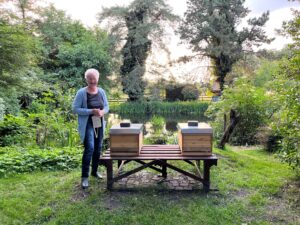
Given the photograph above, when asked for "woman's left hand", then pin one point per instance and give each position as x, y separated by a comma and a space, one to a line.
101, 113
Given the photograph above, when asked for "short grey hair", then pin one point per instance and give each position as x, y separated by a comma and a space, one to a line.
92, 71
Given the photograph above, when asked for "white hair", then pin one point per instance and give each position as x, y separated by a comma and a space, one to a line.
92, 71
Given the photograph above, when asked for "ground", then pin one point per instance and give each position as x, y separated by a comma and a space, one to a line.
252, 187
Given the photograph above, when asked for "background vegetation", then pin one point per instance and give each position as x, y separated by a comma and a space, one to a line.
43, 56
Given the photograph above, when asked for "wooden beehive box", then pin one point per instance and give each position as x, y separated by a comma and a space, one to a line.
195, 140
126, 141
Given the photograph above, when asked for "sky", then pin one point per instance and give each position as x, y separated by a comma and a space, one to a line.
86, 11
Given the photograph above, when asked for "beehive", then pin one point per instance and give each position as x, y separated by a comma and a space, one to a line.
126, 141
195, 140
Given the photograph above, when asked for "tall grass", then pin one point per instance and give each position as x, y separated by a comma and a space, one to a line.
160, 108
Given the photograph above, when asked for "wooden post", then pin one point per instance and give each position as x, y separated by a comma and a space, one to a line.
164, 169
206, 176
225, 122
109, 172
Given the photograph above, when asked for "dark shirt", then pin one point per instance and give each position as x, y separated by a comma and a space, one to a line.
94, 101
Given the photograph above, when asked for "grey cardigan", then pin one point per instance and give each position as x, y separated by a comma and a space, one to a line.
80, 107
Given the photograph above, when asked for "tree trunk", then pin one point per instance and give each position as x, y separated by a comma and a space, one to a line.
234, 119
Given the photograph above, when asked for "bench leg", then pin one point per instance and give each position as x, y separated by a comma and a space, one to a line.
164, 169
206, 177
109, 172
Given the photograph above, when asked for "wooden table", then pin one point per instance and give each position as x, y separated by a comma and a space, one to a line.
156, 157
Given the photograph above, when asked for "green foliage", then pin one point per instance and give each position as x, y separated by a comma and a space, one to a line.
20, 160
190, 93
286, 95
251, 105
161, 108
16, 51
14, 130
19, 54
157, 123
265, 74
69, 49
53, 121
210, 27
2, 109
75, 59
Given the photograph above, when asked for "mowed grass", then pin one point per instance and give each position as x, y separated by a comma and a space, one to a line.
253, 188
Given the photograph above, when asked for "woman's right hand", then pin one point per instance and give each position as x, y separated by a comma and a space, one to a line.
96, 112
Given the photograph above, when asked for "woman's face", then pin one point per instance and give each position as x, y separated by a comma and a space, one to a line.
91, 80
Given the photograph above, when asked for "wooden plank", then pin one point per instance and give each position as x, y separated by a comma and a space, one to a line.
197, 154
160, 147
197, 149
123, 154
198, 137
195, 144
168, 157
163, 152
130, 150
160, 152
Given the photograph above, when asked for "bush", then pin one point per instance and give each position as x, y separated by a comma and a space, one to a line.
251, 105
187, 92
190, 92
174, 92
270, 141
14, 130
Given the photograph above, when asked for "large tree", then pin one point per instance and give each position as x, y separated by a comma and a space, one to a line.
69, 49
18, 54
143, 20
211, 29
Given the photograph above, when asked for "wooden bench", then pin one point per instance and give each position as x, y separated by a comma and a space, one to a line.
156, 157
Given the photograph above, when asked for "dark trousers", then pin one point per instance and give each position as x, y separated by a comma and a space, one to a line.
92, 149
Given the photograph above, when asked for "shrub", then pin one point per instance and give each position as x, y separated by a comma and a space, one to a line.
190, 92
270, 141
251, 105
14, 130
174, 92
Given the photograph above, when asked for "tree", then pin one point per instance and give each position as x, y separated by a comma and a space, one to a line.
286, 121
210, 27
69, 49
143, 20
18, 53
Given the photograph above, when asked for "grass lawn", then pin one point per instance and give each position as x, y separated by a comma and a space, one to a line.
254, 188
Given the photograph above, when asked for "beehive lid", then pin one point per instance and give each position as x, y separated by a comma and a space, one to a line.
202, 128
135, 128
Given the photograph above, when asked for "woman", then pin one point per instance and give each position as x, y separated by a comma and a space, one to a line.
91, 104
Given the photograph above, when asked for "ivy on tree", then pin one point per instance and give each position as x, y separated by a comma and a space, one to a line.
143, 21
